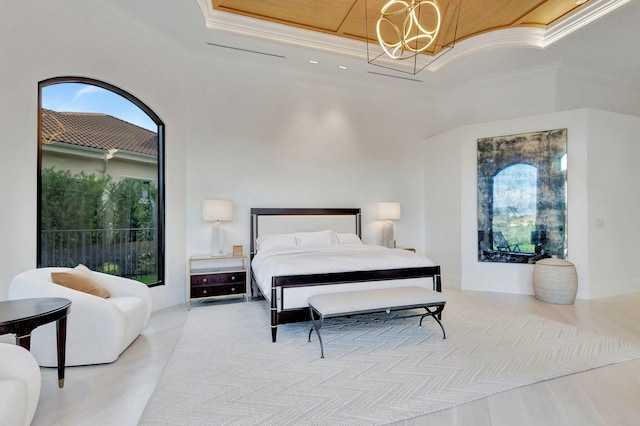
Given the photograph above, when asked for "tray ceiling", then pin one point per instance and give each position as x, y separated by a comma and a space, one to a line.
340, 26
346, 18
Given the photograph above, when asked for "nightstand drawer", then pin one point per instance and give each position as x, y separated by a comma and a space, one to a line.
216, 277
221, 278
217, 290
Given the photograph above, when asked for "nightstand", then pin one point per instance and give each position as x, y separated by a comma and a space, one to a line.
217, 277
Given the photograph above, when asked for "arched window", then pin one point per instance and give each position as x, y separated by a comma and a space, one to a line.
514, 208
100, 180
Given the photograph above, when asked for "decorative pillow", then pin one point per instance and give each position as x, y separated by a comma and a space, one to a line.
275, 241
348, 238
319, 238
82, 279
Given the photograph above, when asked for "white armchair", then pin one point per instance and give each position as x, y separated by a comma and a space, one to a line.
20, 382
98, 330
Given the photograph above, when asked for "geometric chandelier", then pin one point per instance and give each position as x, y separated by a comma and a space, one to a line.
411, 34
407, 36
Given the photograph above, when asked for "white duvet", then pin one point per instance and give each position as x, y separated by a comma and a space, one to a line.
325, 259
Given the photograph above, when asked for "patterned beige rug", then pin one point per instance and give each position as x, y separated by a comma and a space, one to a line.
225, 370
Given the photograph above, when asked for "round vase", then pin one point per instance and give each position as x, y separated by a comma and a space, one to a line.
555, 281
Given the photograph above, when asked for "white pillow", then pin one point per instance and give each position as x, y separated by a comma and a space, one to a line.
319, 238
348, 238
275, 241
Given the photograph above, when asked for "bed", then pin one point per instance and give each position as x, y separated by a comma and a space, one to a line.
298, 252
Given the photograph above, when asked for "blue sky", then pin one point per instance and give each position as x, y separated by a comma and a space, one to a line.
76, 97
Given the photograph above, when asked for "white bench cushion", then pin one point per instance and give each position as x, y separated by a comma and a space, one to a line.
332, 304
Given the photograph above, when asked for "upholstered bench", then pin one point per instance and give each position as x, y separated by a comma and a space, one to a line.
328, 305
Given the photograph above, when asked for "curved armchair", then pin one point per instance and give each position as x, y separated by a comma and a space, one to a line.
98, 330
19, 385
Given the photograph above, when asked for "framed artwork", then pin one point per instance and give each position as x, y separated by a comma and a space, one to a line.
522, 197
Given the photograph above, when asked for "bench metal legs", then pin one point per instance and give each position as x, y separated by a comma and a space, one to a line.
436, 316
317, 324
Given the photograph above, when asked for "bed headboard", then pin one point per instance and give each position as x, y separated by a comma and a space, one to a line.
266, 221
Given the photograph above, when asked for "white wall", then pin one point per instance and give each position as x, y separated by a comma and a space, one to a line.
601, 157
443, 205
302, 143
614, 203
578, 88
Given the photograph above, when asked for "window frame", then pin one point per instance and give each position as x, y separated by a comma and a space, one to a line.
161, 163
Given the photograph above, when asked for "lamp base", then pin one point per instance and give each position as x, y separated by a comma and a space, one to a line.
218, 237
388, 234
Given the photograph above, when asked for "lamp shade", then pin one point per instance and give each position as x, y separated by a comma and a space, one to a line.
388, 211
215, 210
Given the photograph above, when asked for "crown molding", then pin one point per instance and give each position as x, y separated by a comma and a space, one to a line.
585, 15
499, 39
521, 37
270, 31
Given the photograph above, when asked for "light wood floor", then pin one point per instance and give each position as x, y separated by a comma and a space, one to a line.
115, 394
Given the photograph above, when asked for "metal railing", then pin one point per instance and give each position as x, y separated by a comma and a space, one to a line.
127, 252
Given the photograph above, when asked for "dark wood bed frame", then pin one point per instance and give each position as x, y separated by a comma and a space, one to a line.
291, 281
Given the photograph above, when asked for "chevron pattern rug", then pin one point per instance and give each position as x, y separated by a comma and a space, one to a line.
225, 370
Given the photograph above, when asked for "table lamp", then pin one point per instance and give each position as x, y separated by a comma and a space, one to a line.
217, 211
388, 212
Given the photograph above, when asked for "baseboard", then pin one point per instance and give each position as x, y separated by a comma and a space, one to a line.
611, 289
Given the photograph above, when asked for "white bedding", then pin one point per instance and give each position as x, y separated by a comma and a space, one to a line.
332, 258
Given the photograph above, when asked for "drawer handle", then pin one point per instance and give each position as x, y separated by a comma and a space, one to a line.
233, 289
204, 280
233, 278
204, 291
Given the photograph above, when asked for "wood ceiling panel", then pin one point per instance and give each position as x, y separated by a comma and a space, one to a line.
479, 16
450, 26
549, 12
347, 18
354, 25
325, 15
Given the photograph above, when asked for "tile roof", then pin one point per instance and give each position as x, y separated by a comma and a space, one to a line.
97, 130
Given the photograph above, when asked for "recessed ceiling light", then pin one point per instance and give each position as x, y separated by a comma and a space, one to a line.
311, 61
343, 67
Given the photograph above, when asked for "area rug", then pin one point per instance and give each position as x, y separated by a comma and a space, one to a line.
226, 370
